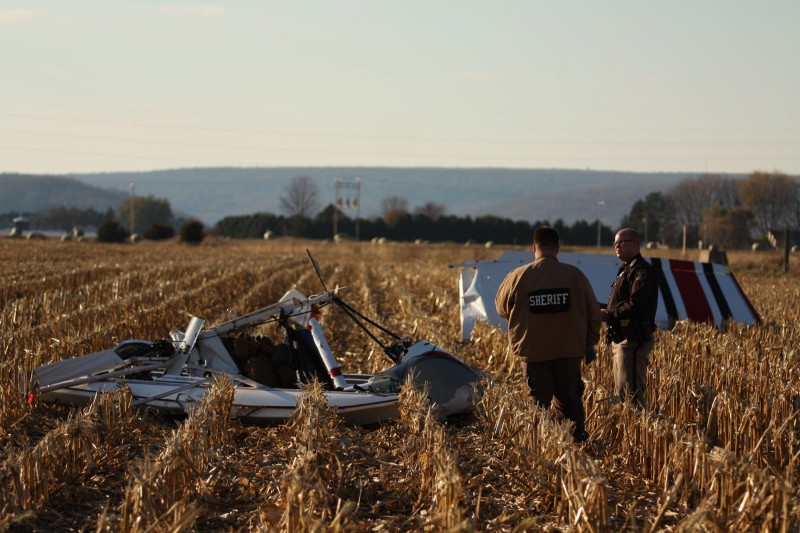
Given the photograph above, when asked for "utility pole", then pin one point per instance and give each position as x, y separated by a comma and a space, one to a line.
600, 204
786, 250
133, 205
347, 203
337, 183
683, 253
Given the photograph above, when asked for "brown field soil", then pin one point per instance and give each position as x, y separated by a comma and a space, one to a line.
717, 450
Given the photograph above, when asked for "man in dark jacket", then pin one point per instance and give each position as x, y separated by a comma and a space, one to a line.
630, 317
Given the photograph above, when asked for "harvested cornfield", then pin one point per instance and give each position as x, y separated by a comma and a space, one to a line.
717, 450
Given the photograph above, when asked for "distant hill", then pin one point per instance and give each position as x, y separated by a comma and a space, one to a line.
579, 203
31, 193
520, 194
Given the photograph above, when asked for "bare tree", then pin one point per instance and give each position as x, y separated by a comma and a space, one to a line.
302, 199
726, 193
432, 210
796, 205
729, 228
393, 205
770, 196
693, 195
394, 209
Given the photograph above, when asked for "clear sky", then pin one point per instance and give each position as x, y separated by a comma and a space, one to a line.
679, 85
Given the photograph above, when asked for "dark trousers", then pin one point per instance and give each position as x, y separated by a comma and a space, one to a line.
559, 382
630, 370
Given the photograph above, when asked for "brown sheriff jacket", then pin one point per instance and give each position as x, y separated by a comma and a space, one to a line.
551, 309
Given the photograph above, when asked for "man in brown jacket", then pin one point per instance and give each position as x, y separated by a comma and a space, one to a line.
553, 320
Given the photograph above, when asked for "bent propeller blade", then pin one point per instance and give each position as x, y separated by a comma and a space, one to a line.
316, 267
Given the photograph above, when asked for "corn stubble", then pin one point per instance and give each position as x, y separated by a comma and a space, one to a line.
717, 449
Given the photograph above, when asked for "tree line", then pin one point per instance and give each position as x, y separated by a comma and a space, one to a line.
718, 210
145, 217
708, 209
406, 227
428, 222
701, 210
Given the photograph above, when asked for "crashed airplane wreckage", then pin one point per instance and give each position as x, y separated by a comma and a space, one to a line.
173, 375
687, 290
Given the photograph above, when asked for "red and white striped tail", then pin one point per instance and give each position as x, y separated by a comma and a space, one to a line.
688, 290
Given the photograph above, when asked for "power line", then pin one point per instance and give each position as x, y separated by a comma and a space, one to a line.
570, 142
415, 155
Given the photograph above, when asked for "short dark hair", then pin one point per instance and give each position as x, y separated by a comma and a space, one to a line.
545, 236
630, 231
